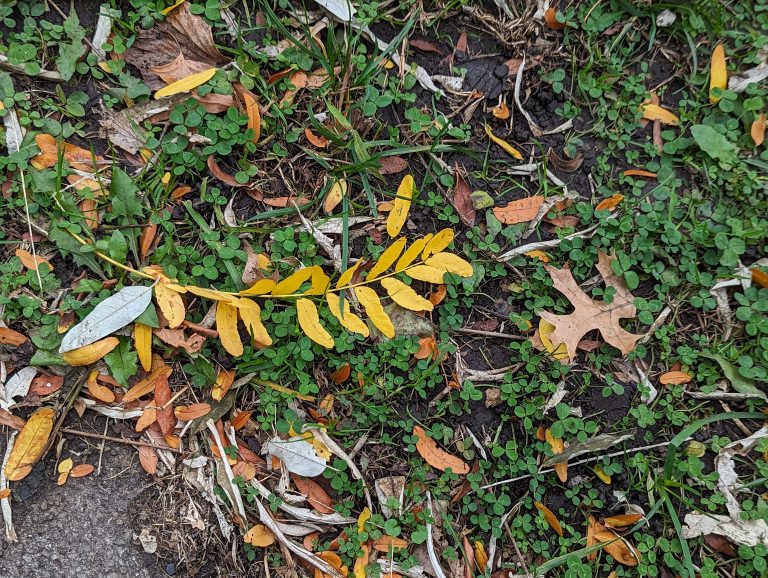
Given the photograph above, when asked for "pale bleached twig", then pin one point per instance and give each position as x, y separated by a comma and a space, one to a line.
10, 531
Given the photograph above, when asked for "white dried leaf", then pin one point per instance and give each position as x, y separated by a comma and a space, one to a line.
297, 455
665, 18
341, 9
110, 315
741, 532
728, 479
16, 386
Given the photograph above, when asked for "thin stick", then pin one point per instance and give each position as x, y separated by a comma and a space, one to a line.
490, 334
98, 436
101, 447
10, 531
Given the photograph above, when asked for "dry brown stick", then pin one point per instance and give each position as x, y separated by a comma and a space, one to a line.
491, 334
98, 436
73, 393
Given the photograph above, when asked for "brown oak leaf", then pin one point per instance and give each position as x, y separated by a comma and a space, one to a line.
591, 314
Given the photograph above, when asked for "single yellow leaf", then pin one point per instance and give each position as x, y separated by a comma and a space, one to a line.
254, 115
437, 243
166, 11
374, 310
90, 353
335, 194
550, 518
361, 563
718, 72
203, 292
537, 254
261, 287
481, 556
450, 263
320, 282
347, 275
387, 258
557, 351
348, 320
558, 447
30, 444
503, 144
404, 296
425, 273
292, 283
364, 516
411, 253
65, 466
226, 325
250, 313
402, 204
654, 112
142, 339
259, 536
186, 84
757, 130
309, 321
170, 303
605, 478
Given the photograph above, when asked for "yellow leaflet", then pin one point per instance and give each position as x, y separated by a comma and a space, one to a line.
175, 5
387, 258
503, 144
250, 313
292, 283
559, 351
411, 253
481, 557
348, 320
90, 353
254, 115
654, 112
718, 72
309, 321
347, 275
605, 478
451, 263
375, 312
226, 325
186, 84
286, 390
320, 282
361, 563
437, 243
142, 338
104, 66
364, 516
337, 192
402, 205
207, 293
425, 273
170, 303
30, 444
261, 287
404, 296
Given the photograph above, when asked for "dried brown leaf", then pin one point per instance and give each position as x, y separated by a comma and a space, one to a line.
520, 211
435, 456
462, 199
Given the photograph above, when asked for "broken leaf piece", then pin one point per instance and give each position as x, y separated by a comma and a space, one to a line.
259, 536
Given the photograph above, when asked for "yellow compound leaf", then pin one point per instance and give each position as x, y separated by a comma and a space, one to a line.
348, 320
90, 353
503, 144
550, 518
261, 287
654, 112
406, 297
718, 73
142, 339
309, 321
347, 275
402, 205
374, 310
186, 84
335, 194
450, 263
30, 444
250, 313
170, 303
226, 325
426, 273
259, 536
387, 258
411, 253
437, 243
292, 283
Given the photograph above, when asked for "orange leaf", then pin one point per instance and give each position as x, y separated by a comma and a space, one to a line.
252, 110
10, 337
550, 17
318, 140
550, 518
501, 111
224, 381
757, 131
622, 520
190, 412
436, 457
147, 385
621, 550
179, 192
674, 378
520, 211
438, 294
239, 421
31, 261
148, 459
146, 419
317, 497
5, 492
46, 385
388, 544
591, 523
81, 470
481, 556
427, 348
165, 418
639, 173
147, 238
558, 447
98, 391
341, 374
610, 203
760, 277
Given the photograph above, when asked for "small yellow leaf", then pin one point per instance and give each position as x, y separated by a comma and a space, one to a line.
537, 254
226, 325
259, 536
404, 296
654, 112
437, 243
387, 258
374, 310
348, 320
558, 447
170, 303
104, 65
718, 72
364, 516
557, 351
411, 253
481, 556
550, 518
361, 563
320, 282
261, 287
65, 466
254, 115
30, 444
347, 275
90, 353
142, 339
309, 321
170, 8
503, 144
757, 130
186, 84
450, 263
402, 204
426, 273
203, 292
291, 284
605, 478
335, 194
250, 313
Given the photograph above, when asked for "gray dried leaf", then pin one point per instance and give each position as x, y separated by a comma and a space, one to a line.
298, 456
16, 386
596, 444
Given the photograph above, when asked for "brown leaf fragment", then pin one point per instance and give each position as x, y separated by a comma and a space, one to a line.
621, 550
44, 385
564, 165
165, 417
591, 314
148, 459
217, 172
14, 421
242, 418
392, 165
720, 544
177, 338
10, 337
461, 43
435, 456
147, 385
224, 381
146, 419
316, 496
462, 199
674, 378
622, 520
387, 544
757, 130
550, 17
425, 46
520, 211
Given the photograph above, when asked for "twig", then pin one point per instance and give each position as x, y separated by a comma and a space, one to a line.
490, 334
45, 74
86, 434
60, 422
101, 447
521, 250
430, 545
10, 531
